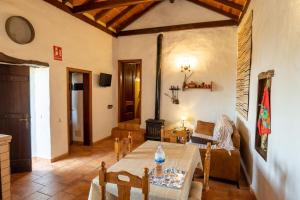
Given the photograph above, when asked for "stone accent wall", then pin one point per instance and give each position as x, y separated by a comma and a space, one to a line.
5, 166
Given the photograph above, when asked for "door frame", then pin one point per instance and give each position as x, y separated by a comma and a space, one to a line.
120, 63
87, 106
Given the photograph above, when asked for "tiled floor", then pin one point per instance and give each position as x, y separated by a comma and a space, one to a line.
70, 178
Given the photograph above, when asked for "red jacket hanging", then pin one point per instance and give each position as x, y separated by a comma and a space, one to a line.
264, 119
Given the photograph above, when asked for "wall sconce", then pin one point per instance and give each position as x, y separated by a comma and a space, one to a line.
186, 68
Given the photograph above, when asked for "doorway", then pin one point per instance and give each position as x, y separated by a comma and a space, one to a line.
79, 95
130, 87
25, 113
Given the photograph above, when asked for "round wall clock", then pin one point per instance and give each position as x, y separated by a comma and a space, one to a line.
19, 29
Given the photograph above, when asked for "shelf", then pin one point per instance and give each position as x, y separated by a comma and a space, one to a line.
210, 87
197, 88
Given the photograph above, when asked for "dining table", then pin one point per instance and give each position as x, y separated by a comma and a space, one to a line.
185, 157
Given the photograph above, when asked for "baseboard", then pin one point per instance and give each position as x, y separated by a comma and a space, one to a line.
77, 142
248, 179
98, 141
57, 158
245, 172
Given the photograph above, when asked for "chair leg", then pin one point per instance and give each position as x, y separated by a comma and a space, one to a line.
238, 184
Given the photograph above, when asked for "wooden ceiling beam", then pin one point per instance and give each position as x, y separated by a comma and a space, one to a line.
108, 4
244, 11
136, 16
119, 16
100, 14
211, 24
68, 10
212, 8
67, 1
231, 4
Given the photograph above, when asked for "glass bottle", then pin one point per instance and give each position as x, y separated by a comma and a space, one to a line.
159, 159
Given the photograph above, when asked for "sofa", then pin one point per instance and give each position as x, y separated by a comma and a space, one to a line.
224, 165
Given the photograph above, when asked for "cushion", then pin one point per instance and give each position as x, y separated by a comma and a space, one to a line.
228, 119
223, 132
204, 128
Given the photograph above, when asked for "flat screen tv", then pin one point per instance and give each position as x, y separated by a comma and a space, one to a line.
105, 80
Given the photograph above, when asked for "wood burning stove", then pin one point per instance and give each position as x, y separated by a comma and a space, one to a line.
153, 126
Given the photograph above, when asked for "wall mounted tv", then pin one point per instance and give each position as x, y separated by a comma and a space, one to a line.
105, 80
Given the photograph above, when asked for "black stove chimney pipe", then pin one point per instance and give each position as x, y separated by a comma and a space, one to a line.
153, 126
158, 77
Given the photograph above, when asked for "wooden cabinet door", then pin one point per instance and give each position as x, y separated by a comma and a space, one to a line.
15, 114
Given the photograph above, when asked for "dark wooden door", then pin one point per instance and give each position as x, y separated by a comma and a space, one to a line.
15, 114
127, 78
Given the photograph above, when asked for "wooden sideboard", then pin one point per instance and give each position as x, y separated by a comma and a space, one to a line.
176, 135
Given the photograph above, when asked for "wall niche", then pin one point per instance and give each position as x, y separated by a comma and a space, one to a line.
263, 117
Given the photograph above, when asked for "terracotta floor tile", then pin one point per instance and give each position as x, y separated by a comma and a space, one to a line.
52, 189
47, 179
91, 175
78, 188
37, 196
24, 178
23, 190
63, 196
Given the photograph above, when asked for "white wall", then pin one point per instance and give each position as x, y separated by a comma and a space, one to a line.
276, 45
213, 49
83, 46
40, 113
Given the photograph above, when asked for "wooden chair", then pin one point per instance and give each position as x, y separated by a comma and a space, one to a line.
173, 135
123, 147
198, 187
124, 187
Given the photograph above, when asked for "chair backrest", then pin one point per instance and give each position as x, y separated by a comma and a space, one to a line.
206, 128
124, 187
123, 147
172, 135
207, 167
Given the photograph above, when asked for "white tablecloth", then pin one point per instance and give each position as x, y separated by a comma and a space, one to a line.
181, 156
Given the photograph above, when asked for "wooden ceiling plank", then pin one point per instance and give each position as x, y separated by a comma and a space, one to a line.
231, 4
101, 14
68, 10
108, 4
67, 1
211, 24
244, 11
135, 16
212, 8
119, 16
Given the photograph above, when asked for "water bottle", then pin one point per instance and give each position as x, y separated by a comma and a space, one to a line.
159, 158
